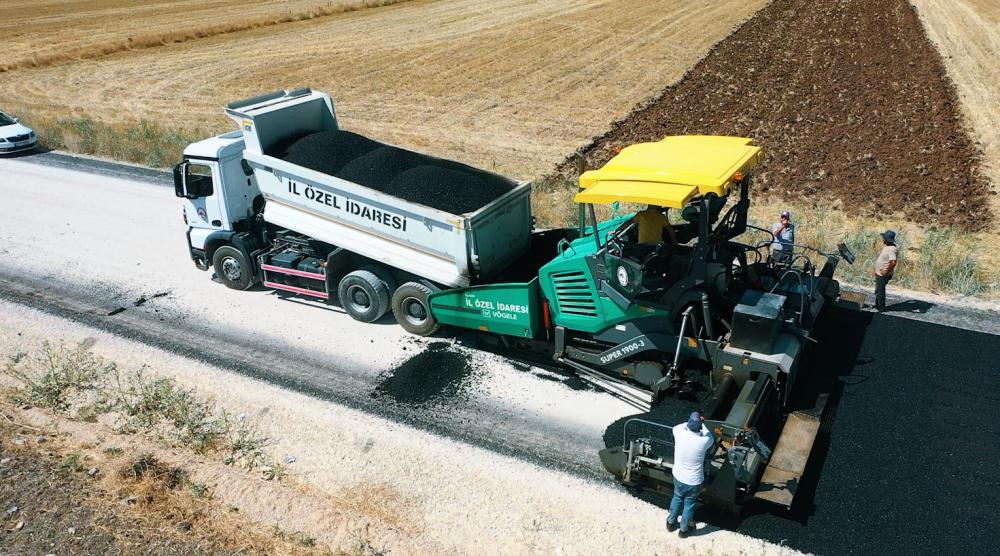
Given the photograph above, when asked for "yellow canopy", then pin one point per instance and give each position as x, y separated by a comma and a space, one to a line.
670, 172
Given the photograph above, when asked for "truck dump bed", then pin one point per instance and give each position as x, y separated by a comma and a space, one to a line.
438, 219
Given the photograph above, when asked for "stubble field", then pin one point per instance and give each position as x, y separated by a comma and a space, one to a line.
44, 32
511, 85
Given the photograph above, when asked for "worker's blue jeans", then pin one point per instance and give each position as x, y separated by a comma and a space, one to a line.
686, 495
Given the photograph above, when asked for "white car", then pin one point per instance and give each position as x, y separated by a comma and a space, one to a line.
15, 137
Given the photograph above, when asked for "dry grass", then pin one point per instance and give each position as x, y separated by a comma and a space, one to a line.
142, 142
931, 259
507, 84
379, 501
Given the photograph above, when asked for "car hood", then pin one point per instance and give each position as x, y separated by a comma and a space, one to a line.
12, 130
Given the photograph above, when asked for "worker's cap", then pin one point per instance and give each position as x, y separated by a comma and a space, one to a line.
889, 236
786, 214
694, 422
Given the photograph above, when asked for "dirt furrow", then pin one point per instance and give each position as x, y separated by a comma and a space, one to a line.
850, 102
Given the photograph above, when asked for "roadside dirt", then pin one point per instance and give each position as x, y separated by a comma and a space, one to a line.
55, 501
849, 100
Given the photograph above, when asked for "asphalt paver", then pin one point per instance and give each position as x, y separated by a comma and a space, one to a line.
904, 463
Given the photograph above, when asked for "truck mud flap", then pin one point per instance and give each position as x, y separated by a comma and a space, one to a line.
788, 462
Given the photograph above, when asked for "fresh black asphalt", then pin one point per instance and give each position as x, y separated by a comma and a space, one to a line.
906, 461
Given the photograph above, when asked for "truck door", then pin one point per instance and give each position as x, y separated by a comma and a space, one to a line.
199, 183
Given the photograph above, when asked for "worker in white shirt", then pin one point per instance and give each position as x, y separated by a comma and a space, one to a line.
692, 440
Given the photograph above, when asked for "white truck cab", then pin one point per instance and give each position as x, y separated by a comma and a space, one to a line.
219, 191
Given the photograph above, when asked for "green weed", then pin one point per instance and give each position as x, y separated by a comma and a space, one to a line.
55, 374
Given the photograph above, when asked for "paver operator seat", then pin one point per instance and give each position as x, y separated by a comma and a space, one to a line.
693, 174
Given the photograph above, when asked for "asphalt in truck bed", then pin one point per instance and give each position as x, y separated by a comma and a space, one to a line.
433, 182
905, 462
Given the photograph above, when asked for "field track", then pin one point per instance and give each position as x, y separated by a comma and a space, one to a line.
850, 101
507, 84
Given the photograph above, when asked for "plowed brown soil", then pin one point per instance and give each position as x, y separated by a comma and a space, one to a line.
849, 100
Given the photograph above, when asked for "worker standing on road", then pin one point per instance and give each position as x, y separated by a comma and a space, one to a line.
885, 265
652, 223
784, 238
692, 440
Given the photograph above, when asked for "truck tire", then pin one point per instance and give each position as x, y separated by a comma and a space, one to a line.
412, 310
363, 295
383, 274
232, 268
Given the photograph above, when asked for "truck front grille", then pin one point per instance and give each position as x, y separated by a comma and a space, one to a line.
573, 294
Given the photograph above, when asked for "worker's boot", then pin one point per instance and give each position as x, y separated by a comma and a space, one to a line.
671, 527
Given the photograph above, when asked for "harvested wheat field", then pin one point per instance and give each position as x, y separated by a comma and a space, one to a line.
511, 85
42, 33
850, 102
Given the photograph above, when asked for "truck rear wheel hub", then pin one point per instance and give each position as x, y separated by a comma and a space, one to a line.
415, 310
359, 298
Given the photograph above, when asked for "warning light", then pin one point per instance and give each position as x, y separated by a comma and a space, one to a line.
692, 342
617, 149
484, 328
625, 371
738, 176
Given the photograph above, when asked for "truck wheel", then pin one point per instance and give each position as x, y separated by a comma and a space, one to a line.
363, 295
383, 274
412, 310
232, 268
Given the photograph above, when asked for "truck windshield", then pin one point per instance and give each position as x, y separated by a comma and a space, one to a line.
6, 120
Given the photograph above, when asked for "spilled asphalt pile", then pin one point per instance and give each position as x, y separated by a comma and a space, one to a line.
433, 182
438, 375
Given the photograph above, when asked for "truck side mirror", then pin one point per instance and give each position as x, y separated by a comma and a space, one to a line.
179, 189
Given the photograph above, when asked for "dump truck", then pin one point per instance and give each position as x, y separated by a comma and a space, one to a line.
635, 320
